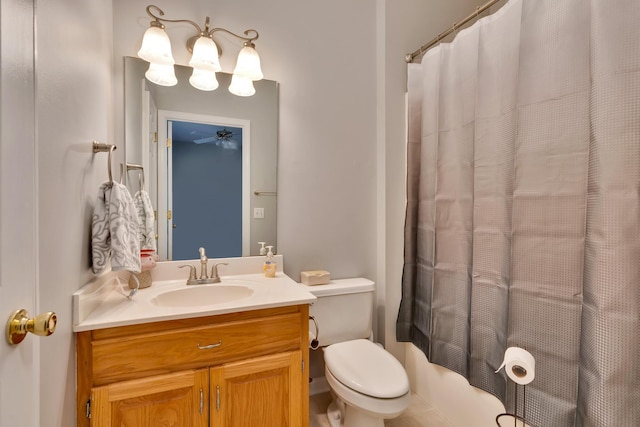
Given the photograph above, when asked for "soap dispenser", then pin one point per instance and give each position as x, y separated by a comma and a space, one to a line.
263, 251
269, 266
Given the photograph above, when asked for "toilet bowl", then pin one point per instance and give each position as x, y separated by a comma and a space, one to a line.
368, 383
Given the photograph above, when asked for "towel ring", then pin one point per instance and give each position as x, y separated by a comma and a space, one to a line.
100, 147
124, 173
141, 180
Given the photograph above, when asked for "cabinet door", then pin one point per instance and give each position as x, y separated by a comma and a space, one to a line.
260, 392
173, 400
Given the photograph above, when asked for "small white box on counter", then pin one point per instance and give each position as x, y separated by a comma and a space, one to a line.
315, 277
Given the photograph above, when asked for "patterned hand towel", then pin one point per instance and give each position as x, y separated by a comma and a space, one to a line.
146, 220
114, 228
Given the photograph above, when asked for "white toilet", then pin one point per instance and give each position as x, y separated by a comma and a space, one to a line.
368, 384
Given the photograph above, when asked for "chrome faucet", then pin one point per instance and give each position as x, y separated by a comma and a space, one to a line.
204, 277
192, 280
214, 272
203, 264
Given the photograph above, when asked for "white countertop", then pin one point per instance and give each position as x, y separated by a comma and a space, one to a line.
103, 305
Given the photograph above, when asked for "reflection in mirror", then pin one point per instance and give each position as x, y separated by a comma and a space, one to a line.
211, 152
217, 201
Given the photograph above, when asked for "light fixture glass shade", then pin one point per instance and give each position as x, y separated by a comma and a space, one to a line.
203, 79
161, 74
205, 55
241, 86
156, 47
248, 64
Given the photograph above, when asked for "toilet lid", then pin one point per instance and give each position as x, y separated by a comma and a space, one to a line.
367, 368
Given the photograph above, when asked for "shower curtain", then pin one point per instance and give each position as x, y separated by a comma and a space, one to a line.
523, 207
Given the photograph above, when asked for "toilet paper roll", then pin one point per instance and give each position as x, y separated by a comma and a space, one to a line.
313, 342
519, 365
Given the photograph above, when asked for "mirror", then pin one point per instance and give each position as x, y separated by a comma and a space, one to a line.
233, 137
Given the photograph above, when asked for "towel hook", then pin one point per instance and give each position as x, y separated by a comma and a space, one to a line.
100, 147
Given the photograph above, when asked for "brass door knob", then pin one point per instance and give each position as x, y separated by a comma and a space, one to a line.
19, 324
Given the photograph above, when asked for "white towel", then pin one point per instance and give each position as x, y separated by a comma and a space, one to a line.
146, 220
114, 229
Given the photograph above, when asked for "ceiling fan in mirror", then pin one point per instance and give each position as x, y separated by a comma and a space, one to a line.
224, 138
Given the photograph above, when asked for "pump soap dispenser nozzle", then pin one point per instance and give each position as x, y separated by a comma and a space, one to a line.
263, 251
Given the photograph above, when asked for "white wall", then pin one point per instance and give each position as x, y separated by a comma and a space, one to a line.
341, 150
407, 25
323, 55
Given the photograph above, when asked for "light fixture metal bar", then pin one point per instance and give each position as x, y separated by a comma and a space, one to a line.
248, 39
161, 12
251, 34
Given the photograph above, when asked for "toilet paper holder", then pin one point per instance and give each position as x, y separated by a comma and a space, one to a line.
520, 367
515, 416
314, 343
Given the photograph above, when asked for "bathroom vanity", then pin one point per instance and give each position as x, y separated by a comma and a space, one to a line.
149, 362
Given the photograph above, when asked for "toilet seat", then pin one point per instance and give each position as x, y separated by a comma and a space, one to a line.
366, 368
378, 408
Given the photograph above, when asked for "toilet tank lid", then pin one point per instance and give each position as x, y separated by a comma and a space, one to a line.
341, 287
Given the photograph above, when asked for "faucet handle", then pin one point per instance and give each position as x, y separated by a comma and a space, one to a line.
214, 271
192, 273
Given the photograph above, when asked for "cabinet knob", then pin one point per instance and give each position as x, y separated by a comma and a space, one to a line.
19, 324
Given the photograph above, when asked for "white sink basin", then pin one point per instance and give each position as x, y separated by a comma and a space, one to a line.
203, 295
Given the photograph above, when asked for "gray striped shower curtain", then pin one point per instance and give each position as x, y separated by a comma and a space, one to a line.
523, 207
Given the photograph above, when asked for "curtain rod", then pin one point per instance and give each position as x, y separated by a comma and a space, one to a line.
411, 56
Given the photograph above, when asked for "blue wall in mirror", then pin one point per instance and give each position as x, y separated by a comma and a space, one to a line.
209, 155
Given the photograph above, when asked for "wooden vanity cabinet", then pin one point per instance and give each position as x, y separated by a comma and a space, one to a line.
234, 370
163, 400
260, 392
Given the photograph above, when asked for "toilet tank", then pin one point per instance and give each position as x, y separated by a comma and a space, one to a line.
343, 310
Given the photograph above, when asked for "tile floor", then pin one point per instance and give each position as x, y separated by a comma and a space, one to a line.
418, 414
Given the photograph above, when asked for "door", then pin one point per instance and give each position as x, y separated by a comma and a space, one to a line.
19, 370
203, 186
260, 392
174, 400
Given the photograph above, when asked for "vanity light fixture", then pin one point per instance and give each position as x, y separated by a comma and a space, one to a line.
156, 49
